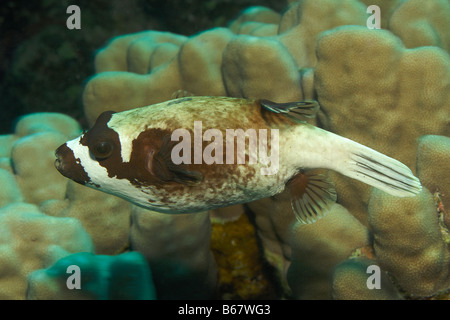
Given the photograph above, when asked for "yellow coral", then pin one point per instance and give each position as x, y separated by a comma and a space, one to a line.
241, 271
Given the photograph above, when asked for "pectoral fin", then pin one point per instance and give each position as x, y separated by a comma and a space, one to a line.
300, 110
161, 165
312, 193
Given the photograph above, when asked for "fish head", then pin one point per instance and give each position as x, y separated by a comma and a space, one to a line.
95, 159
137, 167
83, 158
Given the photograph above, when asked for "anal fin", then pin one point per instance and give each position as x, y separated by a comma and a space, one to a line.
312, 193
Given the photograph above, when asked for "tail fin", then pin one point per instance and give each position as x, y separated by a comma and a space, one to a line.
344, 155
380, 171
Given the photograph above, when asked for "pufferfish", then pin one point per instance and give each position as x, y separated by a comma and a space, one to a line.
198, 153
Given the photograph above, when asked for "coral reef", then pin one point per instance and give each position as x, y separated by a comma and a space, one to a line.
317, 248
350, 282
409, 237
393, 82
121, 277
421, 24
30, 31
388, 89
420, 267
177, 248
220, 61
243, 273
434, 152
28, 161
47, 217
376, 91
31, 240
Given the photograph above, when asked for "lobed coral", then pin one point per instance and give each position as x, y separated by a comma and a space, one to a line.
31, 240
28, 157
350, 282
410, 239
177, 248
434, 152
46, 217
392, 98
125, 277
217, 61
388, 89
377, 90
421, 268
317, 248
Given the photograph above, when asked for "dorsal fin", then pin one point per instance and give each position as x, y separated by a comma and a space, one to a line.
162, 166
312, 193
300, 110
181, 94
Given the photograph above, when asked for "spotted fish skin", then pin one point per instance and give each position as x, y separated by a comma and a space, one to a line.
137, 133
128, 154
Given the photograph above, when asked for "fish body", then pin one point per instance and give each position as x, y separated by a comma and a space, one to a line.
197, 153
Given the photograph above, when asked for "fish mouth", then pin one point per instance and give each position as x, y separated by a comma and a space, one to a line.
68, 166
59, 163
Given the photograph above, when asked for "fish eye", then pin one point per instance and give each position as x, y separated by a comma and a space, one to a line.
102, 150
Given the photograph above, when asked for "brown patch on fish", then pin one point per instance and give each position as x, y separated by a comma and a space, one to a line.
70, 167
